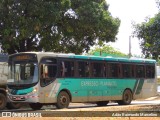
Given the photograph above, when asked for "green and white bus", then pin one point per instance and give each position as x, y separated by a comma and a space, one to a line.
45, 78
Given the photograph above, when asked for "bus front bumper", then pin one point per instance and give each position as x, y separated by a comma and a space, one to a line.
31, 98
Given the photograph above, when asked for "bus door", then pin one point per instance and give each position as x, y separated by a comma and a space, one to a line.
48, 71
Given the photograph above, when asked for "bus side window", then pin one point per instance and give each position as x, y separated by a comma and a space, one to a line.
44, 71
140, 71
150, 71
113, 70
62, 69
83, 69
105, 67
98, 69
87, 69
126, 70
80, 69
133, 72
68, 69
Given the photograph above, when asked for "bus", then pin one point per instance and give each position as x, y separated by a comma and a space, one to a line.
46, 78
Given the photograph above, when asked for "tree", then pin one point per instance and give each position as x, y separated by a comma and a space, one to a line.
148, 33
55, 25
105, 50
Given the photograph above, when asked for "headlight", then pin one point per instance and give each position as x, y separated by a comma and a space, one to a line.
35, 90
7, 91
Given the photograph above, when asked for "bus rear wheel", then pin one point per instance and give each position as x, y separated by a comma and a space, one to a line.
63, 100
36, 106
127, 98
102, 103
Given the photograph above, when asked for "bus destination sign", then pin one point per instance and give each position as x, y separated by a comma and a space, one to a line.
23, 57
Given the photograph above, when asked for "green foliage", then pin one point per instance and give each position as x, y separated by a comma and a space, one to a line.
55, 25
105, 50
149, 34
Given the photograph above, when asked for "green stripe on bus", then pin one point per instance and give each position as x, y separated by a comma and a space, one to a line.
139, 88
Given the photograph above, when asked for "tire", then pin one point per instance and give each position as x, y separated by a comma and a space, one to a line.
13, 105
3, 101
36, 106
127, 98
102, 103
63, 100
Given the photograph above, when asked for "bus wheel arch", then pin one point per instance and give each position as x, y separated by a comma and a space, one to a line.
63, 99
127, 97
68, 92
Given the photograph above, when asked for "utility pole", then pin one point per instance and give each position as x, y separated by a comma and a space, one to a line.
130, 54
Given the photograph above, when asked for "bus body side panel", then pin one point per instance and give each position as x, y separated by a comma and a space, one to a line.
115, 90
148, 89
90, 90
50, 92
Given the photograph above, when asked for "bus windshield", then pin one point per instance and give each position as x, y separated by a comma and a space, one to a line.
23, 72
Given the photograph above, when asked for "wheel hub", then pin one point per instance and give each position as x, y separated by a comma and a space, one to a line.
63, 100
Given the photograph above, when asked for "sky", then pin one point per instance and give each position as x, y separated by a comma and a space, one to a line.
129, 11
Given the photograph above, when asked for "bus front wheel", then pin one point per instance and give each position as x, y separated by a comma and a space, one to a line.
63, 100
3, 101
126, 99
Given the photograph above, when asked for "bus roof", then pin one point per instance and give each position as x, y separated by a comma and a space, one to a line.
121, 59
92, 57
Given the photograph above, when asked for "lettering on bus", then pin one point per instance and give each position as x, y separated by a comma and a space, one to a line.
108, 83
89, 83
97, 83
